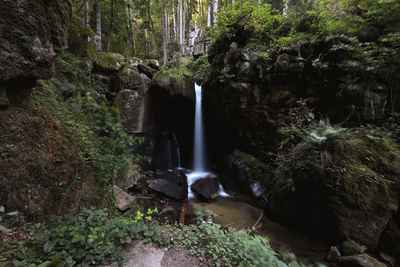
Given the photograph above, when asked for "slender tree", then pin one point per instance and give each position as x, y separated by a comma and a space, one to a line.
165, 31
181, 28
209, 10
174, 20
129, 28
111, 25
215, 11
86, 22
97, 37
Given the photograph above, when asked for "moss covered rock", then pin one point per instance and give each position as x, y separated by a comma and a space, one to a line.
113, 61
346, 185
31, 34
244, 174
174, 83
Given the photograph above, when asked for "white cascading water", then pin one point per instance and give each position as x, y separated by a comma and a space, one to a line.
198, 151
198, 156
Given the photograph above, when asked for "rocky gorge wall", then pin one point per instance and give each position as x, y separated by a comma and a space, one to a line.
267, 101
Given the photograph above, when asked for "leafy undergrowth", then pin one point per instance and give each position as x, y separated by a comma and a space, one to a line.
218, 246
89, 238
96, 237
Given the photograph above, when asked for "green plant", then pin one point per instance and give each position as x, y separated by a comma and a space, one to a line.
95, 127
225, 247
91, 237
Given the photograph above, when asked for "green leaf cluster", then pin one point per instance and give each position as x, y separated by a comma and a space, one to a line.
226, 247
89, 238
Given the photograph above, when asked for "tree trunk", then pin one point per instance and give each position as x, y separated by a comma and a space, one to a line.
215, 12
97, 37
111, 26
86, 22
181, 29
209, 13
174, 20
129, 28
149, 15
164, 32
285, 7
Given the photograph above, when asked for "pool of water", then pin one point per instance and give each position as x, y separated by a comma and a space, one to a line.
233, 212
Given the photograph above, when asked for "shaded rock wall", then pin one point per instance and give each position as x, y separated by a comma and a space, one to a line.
252, 88
31, 35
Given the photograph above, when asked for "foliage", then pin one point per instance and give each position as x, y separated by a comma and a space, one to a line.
263, 21
91, 237
94, 127
225, 247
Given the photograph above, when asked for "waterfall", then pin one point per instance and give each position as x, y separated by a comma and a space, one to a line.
199, 169
198, 152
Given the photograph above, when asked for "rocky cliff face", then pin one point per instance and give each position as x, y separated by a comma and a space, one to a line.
34, 158
31, 35
255, 93
254, 88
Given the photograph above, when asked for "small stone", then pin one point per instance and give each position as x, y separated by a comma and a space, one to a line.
2, 209
124, 200
333, 254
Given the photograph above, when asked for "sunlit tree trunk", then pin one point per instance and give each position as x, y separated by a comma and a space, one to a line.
129, 28
285, 7
174, 20
97, 37
215, 12
209, 13
181, 29
164, 34
111, 26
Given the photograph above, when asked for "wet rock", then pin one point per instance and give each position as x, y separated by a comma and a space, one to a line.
31, 34
206, 188
388, 259
389, 241
333, 254
361, 260
124, 200
350, 247
244, 174
167, 188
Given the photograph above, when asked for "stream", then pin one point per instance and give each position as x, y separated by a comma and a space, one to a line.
238, 214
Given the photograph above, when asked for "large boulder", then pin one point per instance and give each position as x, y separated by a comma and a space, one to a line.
174, 85
389, 242
31, 35
245, 175
206, 188
344, 185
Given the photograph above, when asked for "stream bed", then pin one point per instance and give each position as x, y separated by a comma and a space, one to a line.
236, 213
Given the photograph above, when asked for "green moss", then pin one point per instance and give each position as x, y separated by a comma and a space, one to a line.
131, 81
110, 60
260, 171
